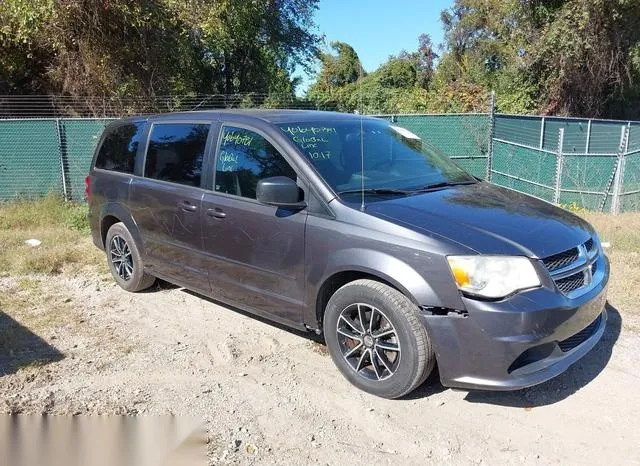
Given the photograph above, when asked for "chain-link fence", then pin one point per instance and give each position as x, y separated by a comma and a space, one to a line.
594, 164
40, 156
568, 161
590, 164
463, 137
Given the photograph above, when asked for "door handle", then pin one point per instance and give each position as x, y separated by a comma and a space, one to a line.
188, 207
217, 213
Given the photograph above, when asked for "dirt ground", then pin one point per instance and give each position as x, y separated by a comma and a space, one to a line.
74, 343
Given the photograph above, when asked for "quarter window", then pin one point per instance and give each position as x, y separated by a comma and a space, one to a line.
176, 151
244, 158
119, 148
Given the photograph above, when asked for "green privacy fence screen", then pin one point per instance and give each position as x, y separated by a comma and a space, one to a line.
586, 163
593, 164
29, 158
49, 155
464, 138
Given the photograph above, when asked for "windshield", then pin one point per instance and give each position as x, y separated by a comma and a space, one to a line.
372, 154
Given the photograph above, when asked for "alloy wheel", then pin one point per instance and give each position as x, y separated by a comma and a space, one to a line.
121, 257
368, 341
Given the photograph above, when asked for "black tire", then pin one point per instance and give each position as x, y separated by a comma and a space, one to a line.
124, 260
395, 372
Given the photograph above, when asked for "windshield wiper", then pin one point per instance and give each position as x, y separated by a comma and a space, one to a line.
444, 184
376, 191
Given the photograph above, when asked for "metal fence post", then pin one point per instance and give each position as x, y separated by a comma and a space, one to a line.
61, 154
559, 163
542, 124
492, 125
620, 163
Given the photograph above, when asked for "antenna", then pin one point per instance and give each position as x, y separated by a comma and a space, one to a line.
361, 139
361, 163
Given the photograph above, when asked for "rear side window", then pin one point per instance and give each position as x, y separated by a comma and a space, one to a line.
176, 151
119, 148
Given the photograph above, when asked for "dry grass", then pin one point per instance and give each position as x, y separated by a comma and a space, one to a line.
32, 303
62, 228
67, 248
623, 234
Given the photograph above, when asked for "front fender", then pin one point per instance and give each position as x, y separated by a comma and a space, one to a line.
417, 275
387, 267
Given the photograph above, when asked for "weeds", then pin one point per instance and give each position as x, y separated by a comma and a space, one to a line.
66, 246
62, 228
621, 231
43, 213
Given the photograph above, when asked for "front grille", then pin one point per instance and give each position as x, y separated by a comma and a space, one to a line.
574, 268
580, 337
563, 259
570, 283
589, 245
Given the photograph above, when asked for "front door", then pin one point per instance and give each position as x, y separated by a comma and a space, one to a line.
255, 252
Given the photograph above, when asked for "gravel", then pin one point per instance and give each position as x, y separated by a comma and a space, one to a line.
271, 396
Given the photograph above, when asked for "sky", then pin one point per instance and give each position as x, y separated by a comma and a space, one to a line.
378, 28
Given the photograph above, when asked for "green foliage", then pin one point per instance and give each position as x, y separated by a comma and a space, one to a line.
119, 47
49, 211
562, 57
76, 218
565, 57
396, 86
397, 73
584, 62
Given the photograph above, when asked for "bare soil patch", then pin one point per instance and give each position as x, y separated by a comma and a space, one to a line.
71, 342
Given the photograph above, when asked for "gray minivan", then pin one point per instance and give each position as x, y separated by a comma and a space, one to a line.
356, 229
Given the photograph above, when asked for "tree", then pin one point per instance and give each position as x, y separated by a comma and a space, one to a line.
566, 57
396, 86
425, 60
119, 47
397, 73
336, 73
586, 60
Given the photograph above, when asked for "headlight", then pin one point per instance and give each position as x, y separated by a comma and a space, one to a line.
493, 276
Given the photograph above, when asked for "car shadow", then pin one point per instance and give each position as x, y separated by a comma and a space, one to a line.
20, 347
160, 285
557, 389
430, 387
309, 335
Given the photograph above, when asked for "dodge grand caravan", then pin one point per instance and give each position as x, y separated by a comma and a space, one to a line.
356, 229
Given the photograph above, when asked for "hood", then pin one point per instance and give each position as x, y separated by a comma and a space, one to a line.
488, 219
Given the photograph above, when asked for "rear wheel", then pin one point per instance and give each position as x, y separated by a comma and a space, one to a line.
124, 260
375, 337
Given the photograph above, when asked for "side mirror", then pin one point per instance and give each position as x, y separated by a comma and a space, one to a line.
279, 191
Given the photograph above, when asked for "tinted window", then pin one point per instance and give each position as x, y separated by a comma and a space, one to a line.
176, 151
119, 148
244, 158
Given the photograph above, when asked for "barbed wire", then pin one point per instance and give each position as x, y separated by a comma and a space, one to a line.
44, 137
56, 106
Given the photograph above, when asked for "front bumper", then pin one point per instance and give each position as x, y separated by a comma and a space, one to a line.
518, 342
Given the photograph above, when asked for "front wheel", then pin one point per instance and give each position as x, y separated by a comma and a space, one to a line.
374, 335
124, 259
